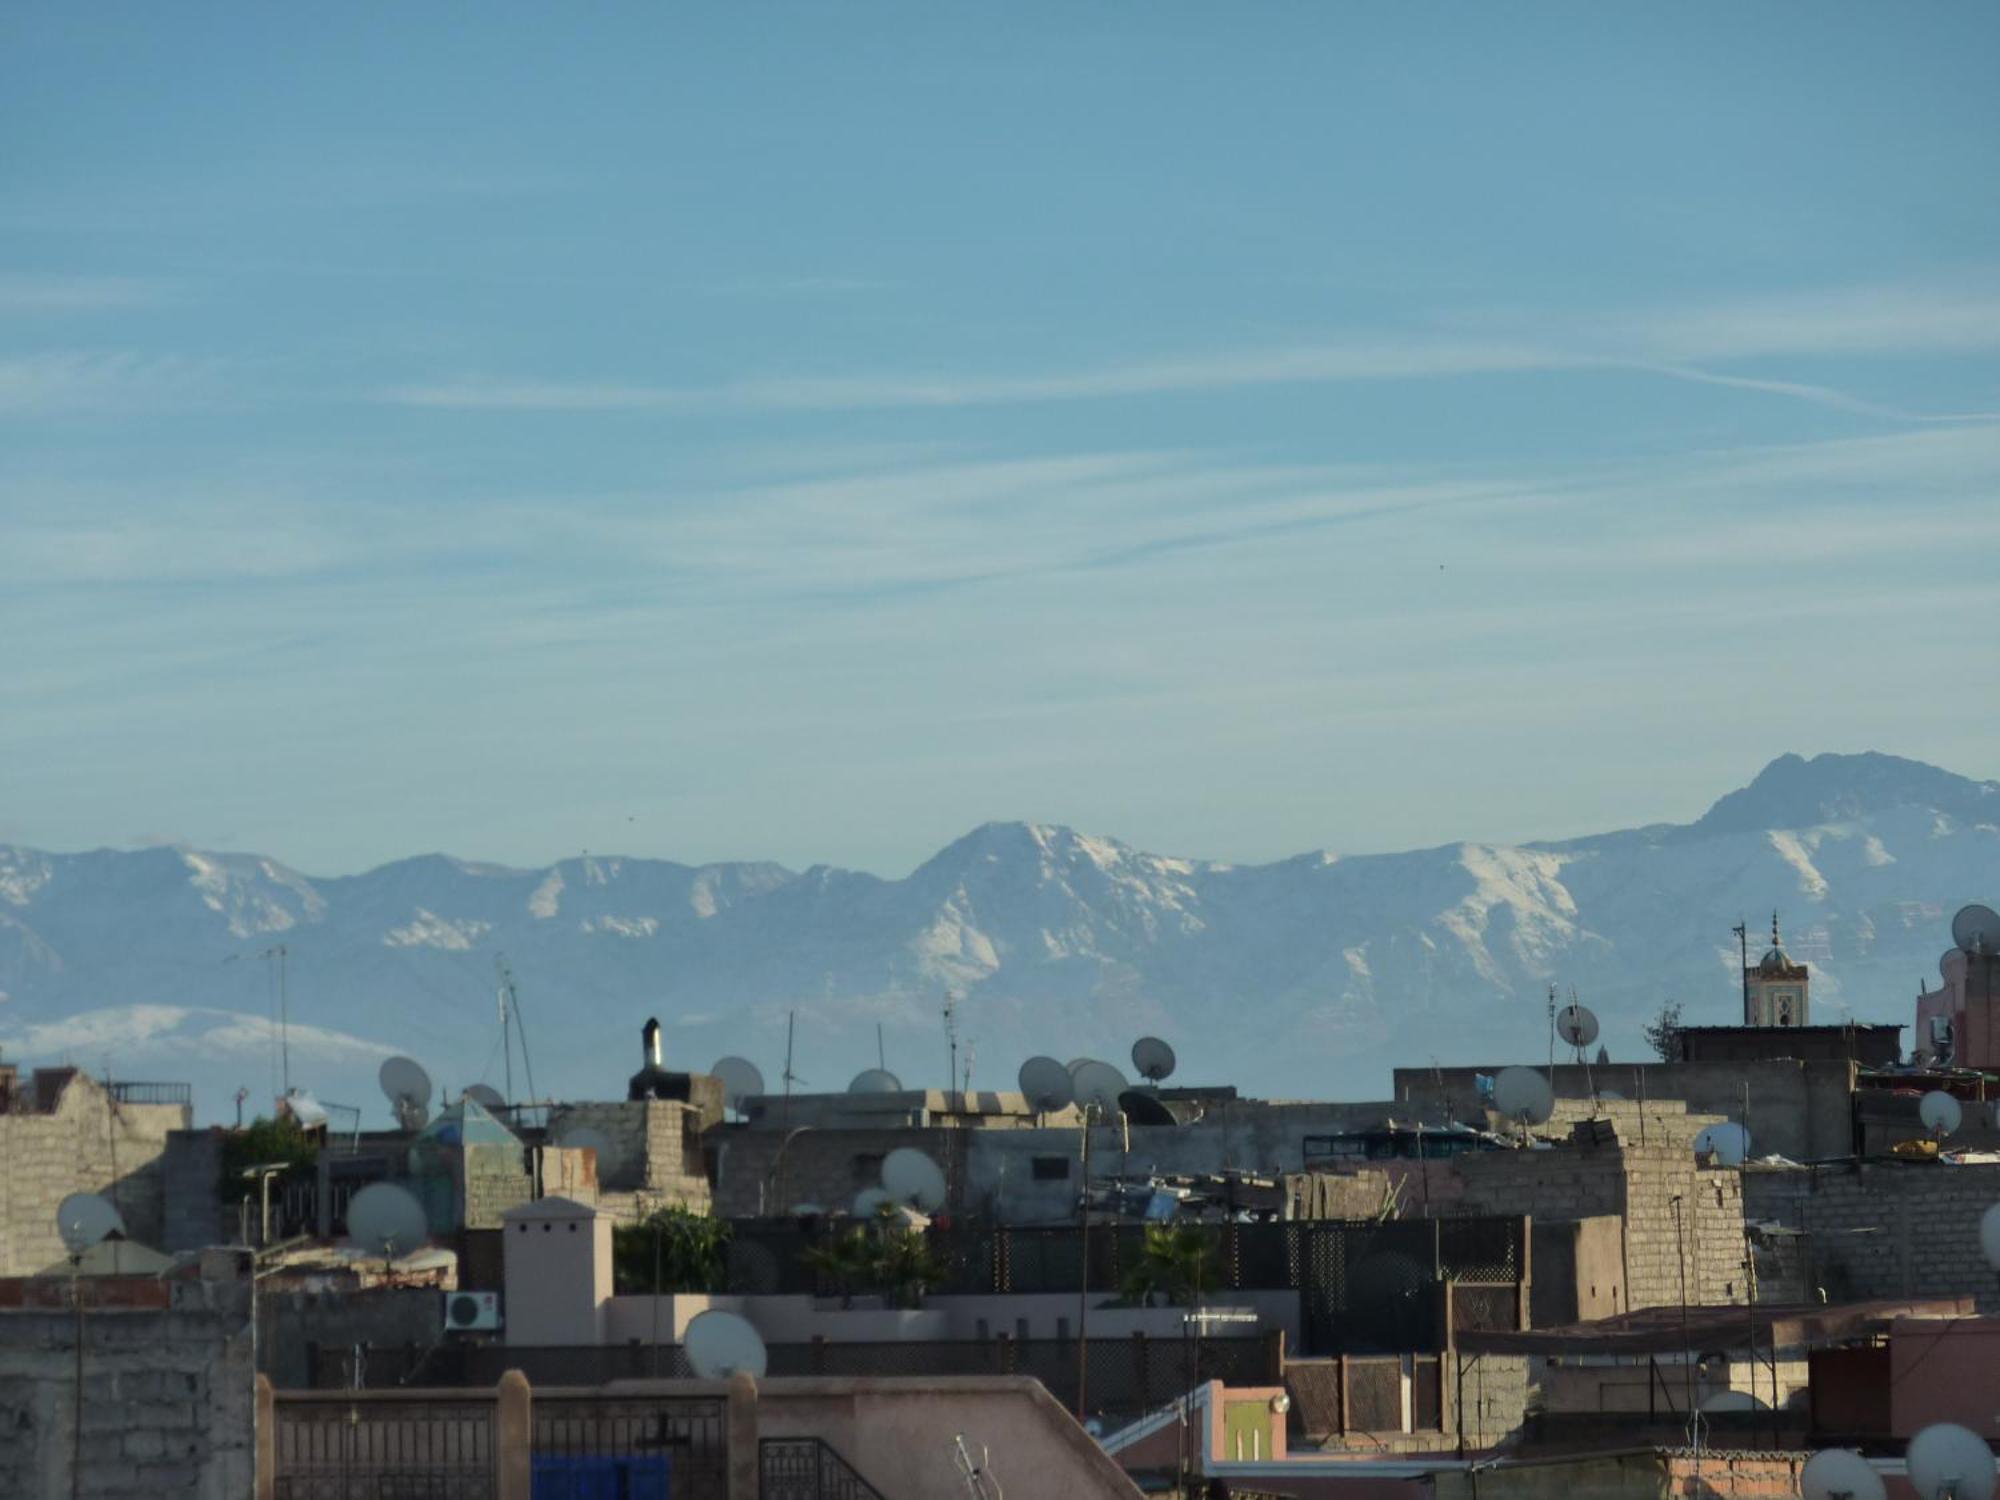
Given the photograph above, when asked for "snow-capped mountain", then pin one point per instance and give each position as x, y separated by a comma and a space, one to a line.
1311, 975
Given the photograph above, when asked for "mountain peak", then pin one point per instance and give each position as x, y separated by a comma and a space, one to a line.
1793, 792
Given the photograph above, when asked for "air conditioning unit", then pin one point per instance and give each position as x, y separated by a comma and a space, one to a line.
471, 1312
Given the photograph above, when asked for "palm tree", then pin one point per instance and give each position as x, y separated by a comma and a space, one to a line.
906, 1267
1177, 1263
846, 1262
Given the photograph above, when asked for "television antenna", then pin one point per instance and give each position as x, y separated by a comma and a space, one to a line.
721, 1344
909, 1176
1097, 1086
788, 1077
1153, 1058
1046, 1085
1524, 1096
407, 1087
950, 1037
1940, 1113
1976, 929
386, 1220
875, 1081
741, 1079
1840, 1474
85, 1219
508, 996
1949, 1462
1728, 1143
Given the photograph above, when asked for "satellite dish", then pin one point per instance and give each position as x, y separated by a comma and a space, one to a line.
1733, 1401
1046, 1084
588, 1137
869, 1202
721, 1344
1728, 1143
1153, 1058
305, 1109
1577, 1025
1989, 1235
83, 1219
741, 1079
1840, 1474
485, 1096
1097, 1084
1143, 1107
875, 1081
911, 1177
1946, 1459
1523, 1094
1940, 1113
407, 1087
386, 1220
1976, 929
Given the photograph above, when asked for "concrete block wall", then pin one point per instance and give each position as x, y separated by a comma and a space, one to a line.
86, 1144
166, 1397
1491, 1397
822, 1166
191, 1176
659, 1145
1884, 1229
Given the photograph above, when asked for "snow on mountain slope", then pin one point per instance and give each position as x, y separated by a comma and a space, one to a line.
1314, 974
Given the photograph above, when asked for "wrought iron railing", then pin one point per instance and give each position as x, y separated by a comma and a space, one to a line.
807, 1469
153, 1093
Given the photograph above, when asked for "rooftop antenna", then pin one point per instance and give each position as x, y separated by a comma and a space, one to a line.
1577, 1025
971, 1052
881, 1055
951, 1036
512, 1021
1940, 1114
1046, 1085
1153, 1058
385, 1219
909, 1176
275, 965
1949, 1462
1552, 1030
980, 1482
790, 1078
1840, 1474
721, 1344
1742, 931
741, 1079
1524, 1096
407, 1087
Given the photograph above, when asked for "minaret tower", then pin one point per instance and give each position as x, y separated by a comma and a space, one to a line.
1775, 989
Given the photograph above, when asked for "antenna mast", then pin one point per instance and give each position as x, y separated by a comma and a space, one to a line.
1552, 1031
951, 1037
511, 1021
791, 1026
280, 953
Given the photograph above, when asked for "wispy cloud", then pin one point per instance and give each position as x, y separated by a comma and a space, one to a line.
26, 293
1680, 346
74, 380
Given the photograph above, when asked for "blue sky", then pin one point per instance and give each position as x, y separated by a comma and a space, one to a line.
806, 431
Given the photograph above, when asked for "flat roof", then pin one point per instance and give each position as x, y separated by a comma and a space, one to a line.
1655, 1330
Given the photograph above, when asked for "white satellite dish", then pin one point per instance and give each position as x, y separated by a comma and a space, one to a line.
486, 1097
1976, 929
911, 1177
1948, 1460
1940, 1113
1046, 1085
721, 1344
1733, 1401
1523, 1094
1577, 1025
741, 1079
875, 1081
85, 1219
386, 1220
870, 1201
1097, 1086
1153, 1058
590, 1138
407, 1087
1728, 1143
1989, 1235
1840, 1474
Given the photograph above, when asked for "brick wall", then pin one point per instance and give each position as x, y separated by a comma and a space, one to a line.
1884, 1229
84, 1145
166, 1395
827, 1167
658, 1142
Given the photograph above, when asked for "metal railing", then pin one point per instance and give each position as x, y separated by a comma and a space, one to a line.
153, 1093
372, 1450
807, 1469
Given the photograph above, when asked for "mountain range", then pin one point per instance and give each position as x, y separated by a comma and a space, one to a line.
1308, 977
